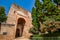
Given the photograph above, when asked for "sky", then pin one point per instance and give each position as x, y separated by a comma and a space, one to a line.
26, 4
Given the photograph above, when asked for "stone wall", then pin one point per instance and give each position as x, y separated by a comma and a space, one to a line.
7, 31
14, 14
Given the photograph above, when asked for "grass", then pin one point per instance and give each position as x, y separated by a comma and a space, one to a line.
50, 36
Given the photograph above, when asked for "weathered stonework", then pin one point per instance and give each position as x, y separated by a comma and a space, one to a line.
22, 22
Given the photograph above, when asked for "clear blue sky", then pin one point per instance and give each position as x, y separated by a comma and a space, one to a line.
26, 4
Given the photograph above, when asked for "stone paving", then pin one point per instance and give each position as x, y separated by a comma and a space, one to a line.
21, 39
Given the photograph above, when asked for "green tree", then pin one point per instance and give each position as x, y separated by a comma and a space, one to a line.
42, 12
38, 10
57, 2
3, 16
35, 16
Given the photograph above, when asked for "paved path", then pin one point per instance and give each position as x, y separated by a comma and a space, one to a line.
21, 39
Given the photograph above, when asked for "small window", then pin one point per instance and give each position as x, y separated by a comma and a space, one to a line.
4, 33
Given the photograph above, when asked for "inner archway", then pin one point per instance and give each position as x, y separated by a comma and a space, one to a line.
20, 27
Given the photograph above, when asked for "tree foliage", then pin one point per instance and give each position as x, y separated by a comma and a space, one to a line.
35, 16
42, 12
57, 2
3, 16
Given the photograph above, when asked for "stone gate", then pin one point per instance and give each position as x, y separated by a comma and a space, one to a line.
18, 23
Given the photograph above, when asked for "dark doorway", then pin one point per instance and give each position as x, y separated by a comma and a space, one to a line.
20, 27
17, 33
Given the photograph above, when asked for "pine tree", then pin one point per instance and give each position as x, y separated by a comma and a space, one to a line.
3, 16
36, 13
34, 21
